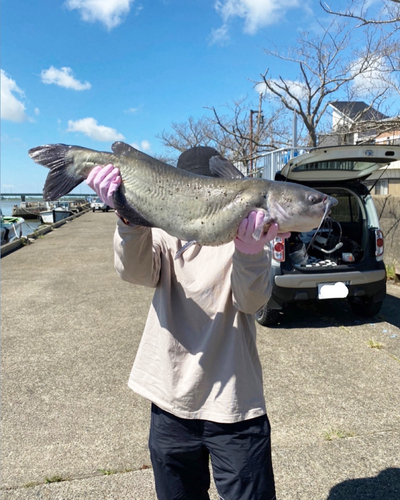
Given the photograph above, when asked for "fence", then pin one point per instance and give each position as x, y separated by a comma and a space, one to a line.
269, 164
388, 208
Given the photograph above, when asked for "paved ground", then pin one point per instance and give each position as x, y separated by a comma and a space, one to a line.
71, 429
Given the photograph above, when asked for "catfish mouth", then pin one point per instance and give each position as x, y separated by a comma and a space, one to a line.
329, 202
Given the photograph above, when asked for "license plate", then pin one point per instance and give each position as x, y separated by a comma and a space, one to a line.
332, 290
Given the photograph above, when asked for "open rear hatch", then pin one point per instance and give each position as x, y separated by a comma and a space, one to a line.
348, 235
341, 240
337, 164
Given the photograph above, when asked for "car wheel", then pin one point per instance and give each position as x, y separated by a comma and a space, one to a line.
267, 316
365, 306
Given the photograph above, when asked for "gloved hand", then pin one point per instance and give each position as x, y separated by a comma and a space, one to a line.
246, 243
104, 181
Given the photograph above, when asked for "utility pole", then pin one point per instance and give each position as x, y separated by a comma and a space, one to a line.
251, 142
294, 136
259, 120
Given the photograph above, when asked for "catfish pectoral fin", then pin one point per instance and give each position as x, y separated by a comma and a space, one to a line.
262, 227
128, 212
184, 248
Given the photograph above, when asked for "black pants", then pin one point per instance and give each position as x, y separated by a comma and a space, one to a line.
240, 457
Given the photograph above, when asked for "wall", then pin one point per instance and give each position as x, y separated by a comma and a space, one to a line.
394, 187
388, 208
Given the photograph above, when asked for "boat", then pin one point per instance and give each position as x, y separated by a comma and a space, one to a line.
10, 228
56, 213
29, 209
34, 209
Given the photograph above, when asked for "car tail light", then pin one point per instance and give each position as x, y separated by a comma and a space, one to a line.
278, 249
379, 243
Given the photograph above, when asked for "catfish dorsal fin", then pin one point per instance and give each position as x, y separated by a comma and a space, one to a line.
223, 168
121, 148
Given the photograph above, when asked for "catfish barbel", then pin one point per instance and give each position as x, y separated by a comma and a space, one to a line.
194, 208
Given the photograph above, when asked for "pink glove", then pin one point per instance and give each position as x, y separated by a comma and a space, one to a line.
246, 243
104, 181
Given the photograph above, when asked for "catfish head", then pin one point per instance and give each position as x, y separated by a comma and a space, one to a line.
295, 207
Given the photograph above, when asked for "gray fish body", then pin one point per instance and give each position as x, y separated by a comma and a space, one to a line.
191, 207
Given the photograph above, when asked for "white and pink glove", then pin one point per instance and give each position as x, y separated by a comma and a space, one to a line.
245, 241
104, 181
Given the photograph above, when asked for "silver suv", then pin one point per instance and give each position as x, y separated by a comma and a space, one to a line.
344, 257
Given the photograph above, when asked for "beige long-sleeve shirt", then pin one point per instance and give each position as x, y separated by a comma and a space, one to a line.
197, 358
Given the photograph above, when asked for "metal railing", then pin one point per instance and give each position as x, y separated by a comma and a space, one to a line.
272, 162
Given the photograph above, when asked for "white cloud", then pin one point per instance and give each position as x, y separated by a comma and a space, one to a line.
143, 146
12, 108
131, 111
373, 79
256, 13
64, 78
92, 129
297, 89
108, 12
220, 35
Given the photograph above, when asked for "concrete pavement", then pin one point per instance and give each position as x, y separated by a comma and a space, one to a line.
71, 428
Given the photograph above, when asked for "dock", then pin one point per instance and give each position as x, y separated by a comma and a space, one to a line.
32, 209
72, 429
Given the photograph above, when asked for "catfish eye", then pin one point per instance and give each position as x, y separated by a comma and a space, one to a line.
312, 198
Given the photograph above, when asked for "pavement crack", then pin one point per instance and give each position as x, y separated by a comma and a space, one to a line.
79, 477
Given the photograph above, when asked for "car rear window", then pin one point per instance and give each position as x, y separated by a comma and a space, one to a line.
352, 165
347, 210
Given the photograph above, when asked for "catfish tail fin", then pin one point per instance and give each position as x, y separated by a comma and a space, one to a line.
62, 178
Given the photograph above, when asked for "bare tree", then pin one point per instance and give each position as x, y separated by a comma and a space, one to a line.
348, 60
248, 133
328, 67
240, 133
384, 23
194, 132
381, 23
388, 13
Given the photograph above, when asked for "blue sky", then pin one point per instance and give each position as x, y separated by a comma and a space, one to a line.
89, 72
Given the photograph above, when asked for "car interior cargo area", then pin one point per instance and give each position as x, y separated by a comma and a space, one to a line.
340, 240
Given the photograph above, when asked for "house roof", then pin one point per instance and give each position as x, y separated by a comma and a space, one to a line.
358, 110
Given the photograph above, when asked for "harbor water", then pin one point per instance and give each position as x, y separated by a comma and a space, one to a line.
29, 226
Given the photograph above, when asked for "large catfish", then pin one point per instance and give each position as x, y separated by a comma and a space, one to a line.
191, 207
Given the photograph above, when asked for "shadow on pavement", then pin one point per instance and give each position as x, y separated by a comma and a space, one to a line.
313, 314
385, 486
321, 314
390, 311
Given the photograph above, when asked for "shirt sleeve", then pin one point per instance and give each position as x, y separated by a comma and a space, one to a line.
136, 258
250, 280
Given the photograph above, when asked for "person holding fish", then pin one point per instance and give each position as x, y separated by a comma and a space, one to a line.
196, 235
197, 361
